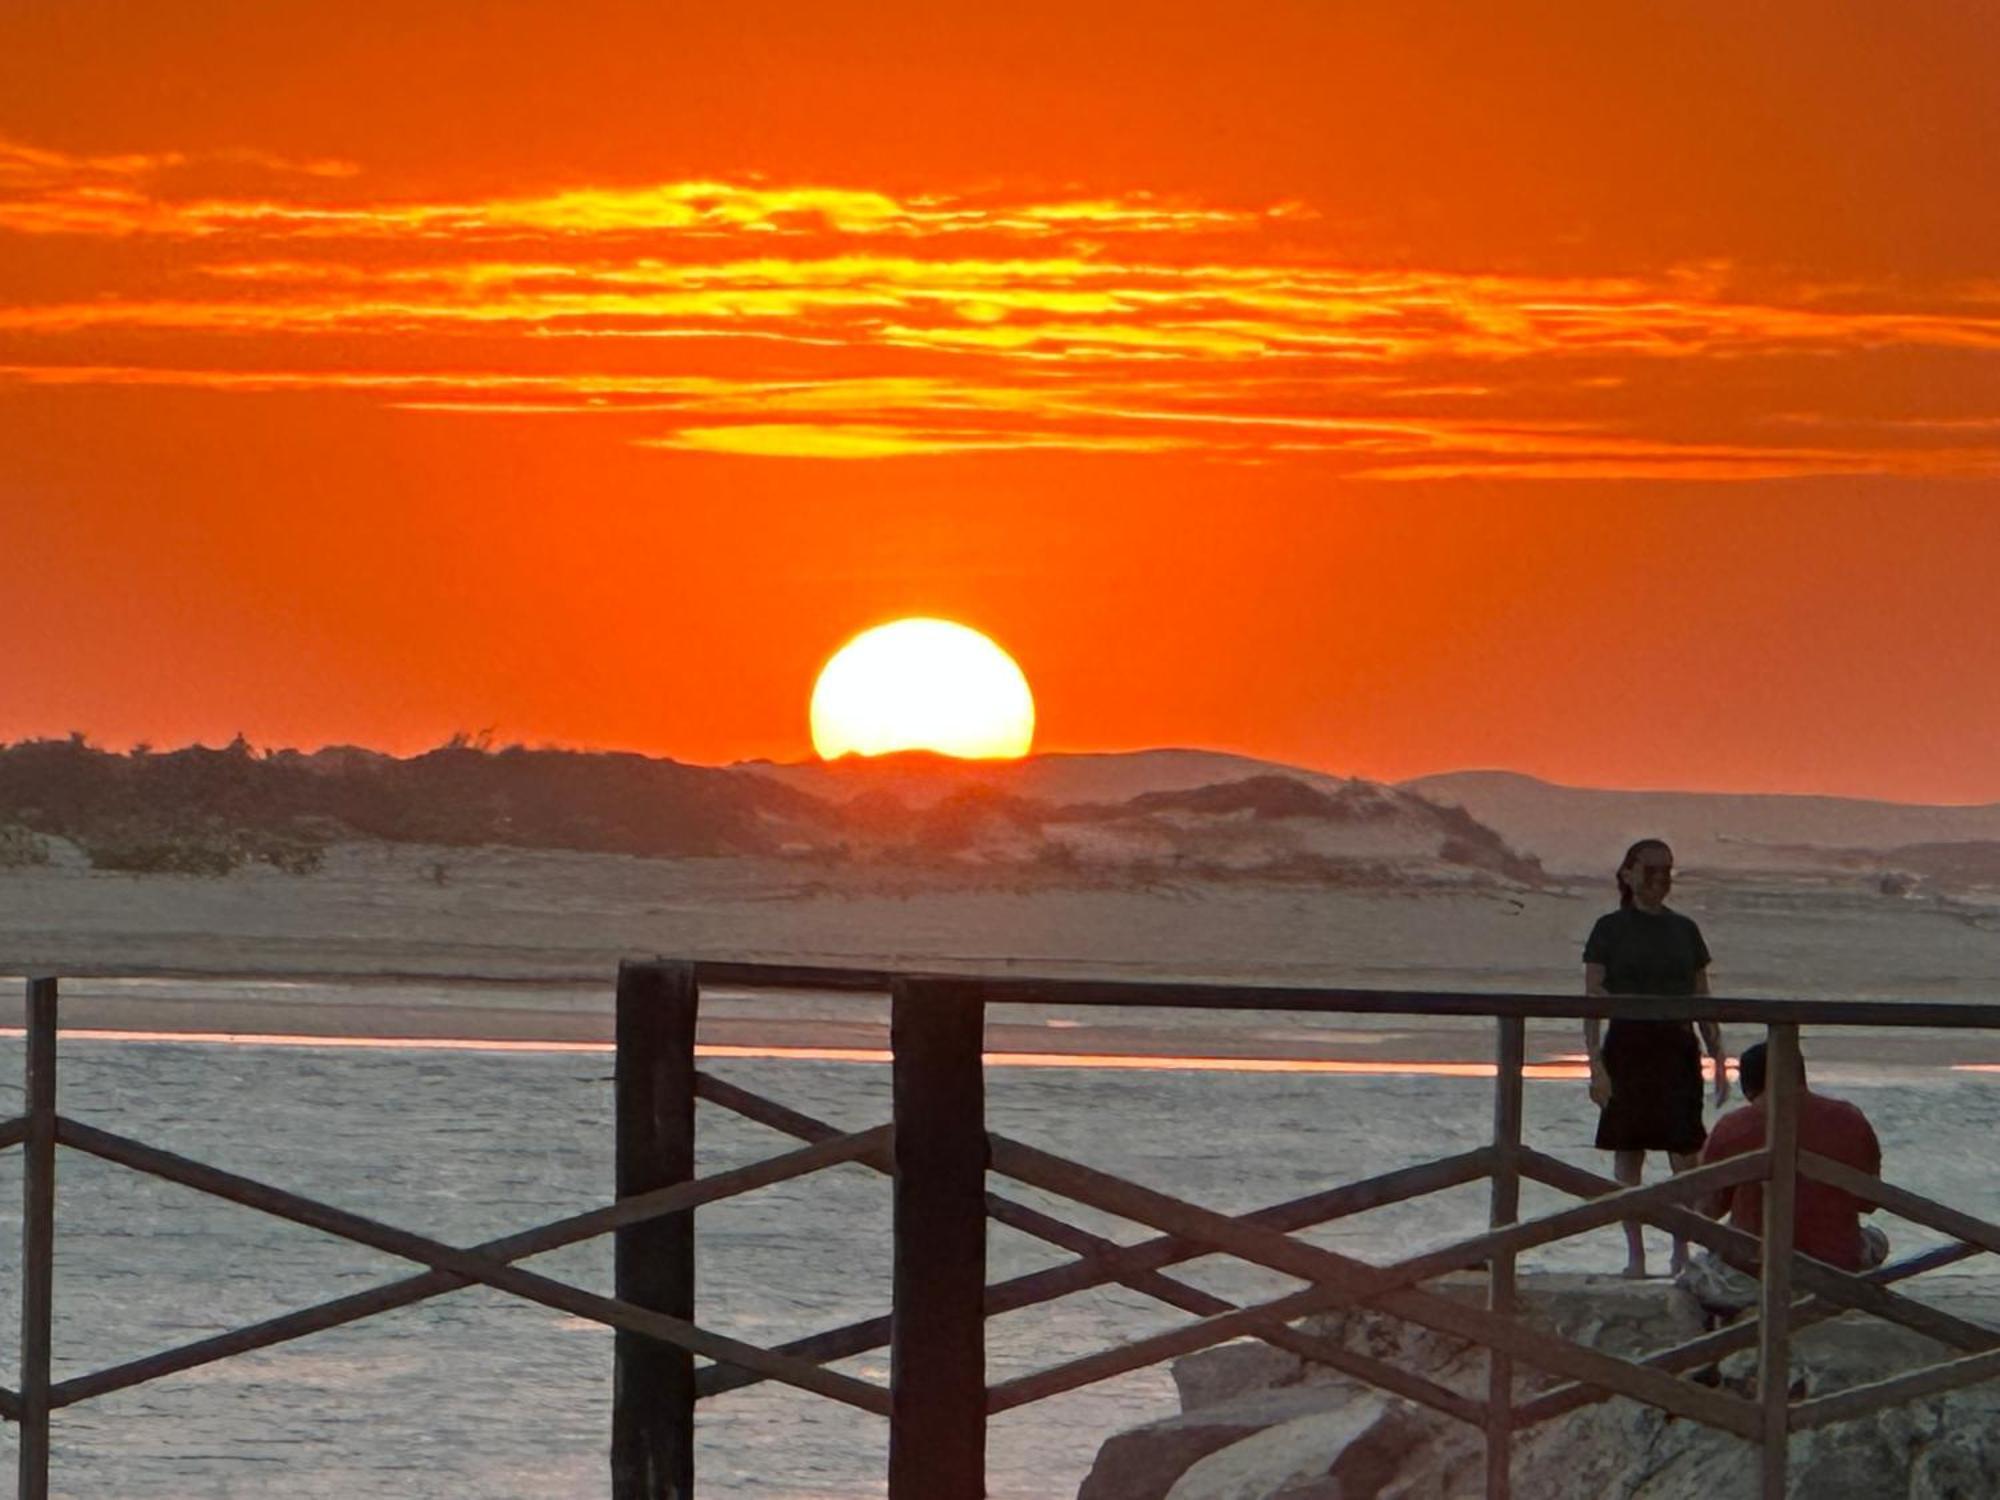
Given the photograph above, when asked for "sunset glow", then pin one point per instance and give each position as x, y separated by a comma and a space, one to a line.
922, 685
1327, 383
879, 1056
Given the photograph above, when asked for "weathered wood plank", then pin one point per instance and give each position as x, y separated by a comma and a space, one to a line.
1168, 994
1206, 1304
1125, 1261
1012, 990
38, 1240
714, 973
1134, 1266
937, 1337
471, 1267
1188, 1338
653, 1261
1915, 1207
1190, 1298
1738, 1335
1504, 1207
1562, 1223
517, 1246
1861, 1293
1913, 1385
1349, 1280
780, 1117
1774, 1302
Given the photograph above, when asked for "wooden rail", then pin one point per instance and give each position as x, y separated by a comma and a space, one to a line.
940, 1156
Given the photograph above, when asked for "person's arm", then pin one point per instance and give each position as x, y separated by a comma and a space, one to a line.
1872, 1164
1711, 1039
1719, 1147
1593, 1038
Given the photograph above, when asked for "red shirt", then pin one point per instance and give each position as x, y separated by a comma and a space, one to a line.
1827, 1222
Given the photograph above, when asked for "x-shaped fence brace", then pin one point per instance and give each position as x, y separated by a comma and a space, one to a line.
1184, 1231
451, 1267
1337, 1281
1189, 1232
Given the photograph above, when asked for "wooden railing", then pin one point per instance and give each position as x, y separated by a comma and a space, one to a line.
939, 1154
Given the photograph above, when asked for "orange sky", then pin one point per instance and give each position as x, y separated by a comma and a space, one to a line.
1607, 392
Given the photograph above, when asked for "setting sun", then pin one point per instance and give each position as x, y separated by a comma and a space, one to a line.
921, 684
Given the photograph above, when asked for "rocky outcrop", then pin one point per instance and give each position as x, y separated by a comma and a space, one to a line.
1275, 1427
1144, 1464
1354, 1449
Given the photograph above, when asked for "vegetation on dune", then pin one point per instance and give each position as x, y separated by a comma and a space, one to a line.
21, 847
203, 811
209, 812
184, 846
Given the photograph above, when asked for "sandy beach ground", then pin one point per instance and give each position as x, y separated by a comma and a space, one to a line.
522, 947
517, 945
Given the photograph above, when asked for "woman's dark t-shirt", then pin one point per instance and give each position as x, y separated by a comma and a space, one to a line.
1647, 952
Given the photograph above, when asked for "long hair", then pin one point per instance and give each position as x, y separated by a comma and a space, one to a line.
1644, 846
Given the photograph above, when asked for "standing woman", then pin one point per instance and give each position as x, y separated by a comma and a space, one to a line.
1645, 1076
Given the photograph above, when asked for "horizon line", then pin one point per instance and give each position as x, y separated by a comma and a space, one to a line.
482, 743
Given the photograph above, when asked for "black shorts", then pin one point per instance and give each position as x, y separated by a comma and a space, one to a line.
1656, 1087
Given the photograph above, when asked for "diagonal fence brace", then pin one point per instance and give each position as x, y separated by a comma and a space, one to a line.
1860, 1293
1344, 1279
468, 1265
1743, 1334
518, 1246
1256, 1321
1101, 1261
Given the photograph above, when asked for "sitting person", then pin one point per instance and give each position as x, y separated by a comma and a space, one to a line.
1826, 1222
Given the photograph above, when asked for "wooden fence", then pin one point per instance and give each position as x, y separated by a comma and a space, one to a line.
940, 1155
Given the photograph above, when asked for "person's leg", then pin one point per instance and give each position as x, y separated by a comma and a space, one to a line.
1628, 1167
1681, 1161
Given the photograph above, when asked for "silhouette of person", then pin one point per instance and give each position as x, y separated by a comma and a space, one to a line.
1645, 1076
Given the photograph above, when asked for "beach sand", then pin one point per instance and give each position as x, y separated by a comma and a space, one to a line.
522, 946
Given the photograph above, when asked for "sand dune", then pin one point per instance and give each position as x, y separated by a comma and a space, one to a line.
1578, 829
919, 780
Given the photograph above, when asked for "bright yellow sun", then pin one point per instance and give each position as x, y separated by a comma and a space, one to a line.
922, 684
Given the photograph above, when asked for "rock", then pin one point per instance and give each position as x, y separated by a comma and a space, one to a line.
1145, 1462
1606, 1312
1231, 1370
1312, 1433
1350, 1452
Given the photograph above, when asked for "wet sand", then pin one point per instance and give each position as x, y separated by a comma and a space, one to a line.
523, 946
741, 1024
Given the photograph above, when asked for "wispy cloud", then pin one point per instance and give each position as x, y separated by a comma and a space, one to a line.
817, 321
51, 192
877, 440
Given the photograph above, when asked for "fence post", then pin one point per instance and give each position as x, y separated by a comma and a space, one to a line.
38, 1239
1774, 1312
653, 1263
937, 1340
1510, 1055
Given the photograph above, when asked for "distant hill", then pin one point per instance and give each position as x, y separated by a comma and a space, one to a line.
917, 778
1142, 814
1577, 830
1149, 815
